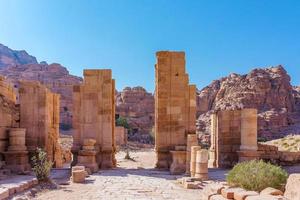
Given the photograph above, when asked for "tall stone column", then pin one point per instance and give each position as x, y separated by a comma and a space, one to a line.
248, 148
175, 105
248, 130
192, 140
212, 150
93, 116
39, 114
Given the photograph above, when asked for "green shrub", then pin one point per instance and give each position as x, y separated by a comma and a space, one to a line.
41, 165
121, 121
256, 175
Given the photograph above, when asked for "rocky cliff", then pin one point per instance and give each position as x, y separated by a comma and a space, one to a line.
12, 57
137, 106
269, 90
54, 76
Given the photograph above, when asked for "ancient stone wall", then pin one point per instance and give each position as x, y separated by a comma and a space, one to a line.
226, 138
94, 116
39, 114
175, 105
9, 114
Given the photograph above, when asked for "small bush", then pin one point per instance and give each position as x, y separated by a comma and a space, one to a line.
41, 165
121, 121
257, 175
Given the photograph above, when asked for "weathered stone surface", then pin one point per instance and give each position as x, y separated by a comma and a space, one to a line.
268, 90
39, 110
178, 165
53, 76
292, 187
228, 193
137, 106
271, 191
13, 57
94, 118
266, 197
175, 105
120, 135
78, 175
241, 195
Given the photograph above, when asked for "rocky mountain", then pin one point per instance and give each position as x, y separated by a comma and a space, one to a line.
12, 57
54, 76
19, 65
269, 90
137, 106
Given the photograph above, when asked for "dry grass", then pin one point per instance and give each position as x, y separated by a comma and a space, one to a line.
289, 143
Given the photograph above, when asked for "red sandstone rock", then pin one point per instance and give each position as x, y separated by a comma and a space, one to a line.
137, 106
269, 90
54, 76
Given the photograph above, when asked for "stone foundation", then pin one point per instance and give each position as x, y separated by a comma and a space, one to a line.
178, 165
16, 157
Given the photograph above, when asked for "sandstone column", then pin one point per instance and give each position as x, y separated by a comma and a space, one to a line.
248, 130
248, 148
175, 105
16, 157
93, 116
192, 140
212, 149
202, 165
39, 114
194, 150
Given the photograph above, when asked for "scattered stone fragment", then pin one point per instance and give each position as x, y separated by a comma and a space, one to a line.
241, 195
271, 191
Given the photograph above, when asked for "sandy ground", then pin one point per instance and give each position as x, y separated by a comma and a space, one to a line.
132, 179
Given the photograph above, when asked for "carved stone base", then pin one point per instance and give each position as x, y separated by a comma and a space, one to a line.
248, 155
178, 165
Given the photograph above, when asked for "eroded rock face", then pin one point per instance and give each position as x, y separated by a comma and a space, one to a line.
12, 57
54, 76
137, 106
269, 90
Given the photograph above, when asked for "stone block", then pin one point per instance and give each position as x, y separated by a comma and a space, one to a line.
78, 176
4, 193
271, 191
292, 187
229, 192
241, 195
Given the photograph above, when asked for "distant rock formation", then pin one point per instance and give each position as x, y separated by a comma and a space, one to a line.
12, 57
269, 90
137, 106
54, 76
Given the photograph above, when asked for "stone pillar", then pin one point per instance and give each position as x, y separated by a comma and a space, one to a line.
87, 155
178, 162
248, 149
16, 157
192, 140
39, 114
212, 150
93, 116
194, 150
202, 165
175, 105
248, 130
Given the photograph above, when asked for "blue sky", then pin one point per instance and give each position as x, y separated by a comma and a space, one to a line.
218, 36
